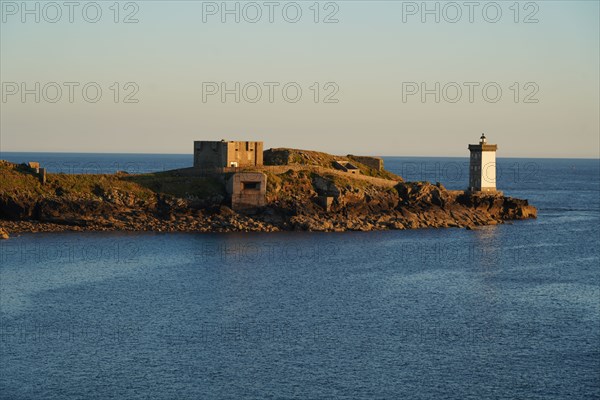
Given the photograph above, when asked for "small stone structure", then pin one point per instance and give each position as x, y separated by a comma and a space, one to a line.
225, 154
247, 190
372, 162
40, 172
346, 166
482, 166
42, 175
325, 202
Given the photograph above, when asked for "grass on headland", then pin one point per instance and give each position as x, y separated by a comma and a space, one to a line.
19, 180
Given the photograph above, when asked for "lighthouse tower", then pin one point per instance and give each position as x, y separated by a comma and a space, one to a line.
482, 167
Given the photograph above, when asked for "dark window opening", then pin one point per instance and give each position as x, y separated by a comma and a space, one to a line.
251, 185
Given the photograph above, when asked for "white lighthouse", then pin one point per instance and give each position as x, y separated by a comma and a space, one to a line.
482, 167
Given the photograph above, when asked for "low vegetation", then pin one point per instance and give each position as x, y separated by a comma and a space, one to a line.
18, 179
286, 156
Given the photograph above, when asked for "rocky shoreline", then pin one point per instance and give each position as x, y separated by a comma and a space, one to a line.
134, 204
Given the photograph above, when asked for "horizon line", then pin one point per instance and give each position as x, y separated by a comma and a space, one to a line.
411, 156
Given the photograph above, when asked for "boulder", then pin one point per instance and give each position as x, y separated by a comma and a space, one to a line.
325, 187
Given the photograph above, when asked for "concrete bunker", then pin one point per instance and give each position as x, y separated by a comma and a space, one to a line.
247, 190
346, 166
227, 154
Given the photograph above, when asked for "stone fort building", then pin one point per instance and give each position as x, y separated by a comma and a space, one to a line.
227, 153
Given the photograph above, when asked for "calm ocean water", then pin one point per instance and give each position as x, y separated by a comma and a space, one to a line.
504, 312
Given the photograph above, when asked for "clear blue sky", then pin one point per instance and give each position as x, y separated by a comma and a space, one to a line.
372, 54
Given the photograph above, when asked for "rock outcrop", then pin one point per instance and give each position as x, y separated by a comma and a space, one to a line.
166, 202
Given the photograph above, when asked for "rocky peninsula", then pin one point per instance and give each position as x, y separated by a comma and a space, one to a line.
297, 181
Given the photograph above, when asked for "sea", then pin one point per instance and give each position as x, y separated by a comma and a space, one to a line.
502, 312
